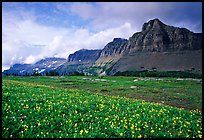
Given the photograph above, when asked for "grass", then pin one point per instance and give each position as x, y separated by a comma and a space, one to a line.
78, 106
170, 91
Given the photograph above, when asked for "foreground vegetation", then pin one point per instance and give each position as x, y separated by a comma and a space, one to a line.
63, 107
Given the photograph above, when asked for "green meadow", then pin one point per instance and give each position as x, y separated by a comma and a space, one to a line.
101, 107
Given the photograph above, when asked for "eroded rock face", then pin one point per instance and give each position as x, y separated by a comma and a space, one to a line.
84, 55
114, 47
156, 36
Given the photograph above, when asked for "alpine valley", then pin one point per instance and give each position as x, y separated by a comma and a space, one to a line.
157, 47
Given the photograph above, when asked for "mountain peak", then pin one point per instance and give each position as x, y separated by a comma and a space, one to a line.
118, 39
154, 23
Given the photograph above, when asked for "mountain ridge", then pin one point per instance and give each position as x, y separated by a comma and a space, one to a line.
155, 46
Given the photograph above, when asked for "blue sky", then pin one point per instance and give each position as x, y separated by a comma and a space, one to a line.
34, 30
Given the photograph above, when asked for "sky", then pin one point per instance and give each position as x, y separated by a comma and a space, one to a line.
35, 30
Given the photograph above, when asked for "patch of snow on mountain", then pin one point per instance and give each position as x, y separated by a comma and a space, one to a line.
36, 69
41, 70
22, 71
54, 62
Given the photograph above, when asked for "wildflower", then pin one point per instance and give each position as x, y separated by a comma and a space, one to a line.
39, 124
25, 127
139, 136
81, 131
200, 136
26, 106
75, 125
152, 131
132, 126
121, 134
86, 131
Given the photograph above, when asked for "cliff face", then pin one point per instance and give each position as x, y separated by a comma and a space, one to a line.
158, 37
114, 47
158, 45
163, 47
84, 55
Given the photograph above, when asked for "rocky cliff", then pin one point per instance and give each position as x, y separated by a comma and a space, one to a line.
163, 47
159, 37
84, 55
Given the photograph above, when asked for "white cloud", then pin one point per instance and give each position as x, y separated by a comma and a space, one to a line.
26, 41
30, 59
104, 15
86, 10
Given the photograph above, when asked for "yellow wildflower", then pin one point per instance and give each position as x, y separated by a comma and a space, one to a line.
86, 131
139, 136
152, 131
200, 136
81, 131
39, 124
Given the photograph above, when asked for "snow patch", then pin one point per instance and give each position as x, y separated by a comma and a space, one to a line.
49, 66
22, 71
41, 70
54, 62
36, 69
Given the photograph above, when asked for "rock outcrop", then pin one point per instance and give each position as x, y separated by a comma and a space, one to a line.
163, 47
84, 55
158, 37
114, 47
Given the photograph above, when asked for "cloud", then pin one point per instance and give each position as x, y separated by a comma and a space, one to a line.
24, 40
86, 10
102, 15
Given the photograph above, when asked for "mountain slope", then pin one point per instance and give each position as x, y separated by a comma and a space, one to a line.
80, 61
42, 66
163, 47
